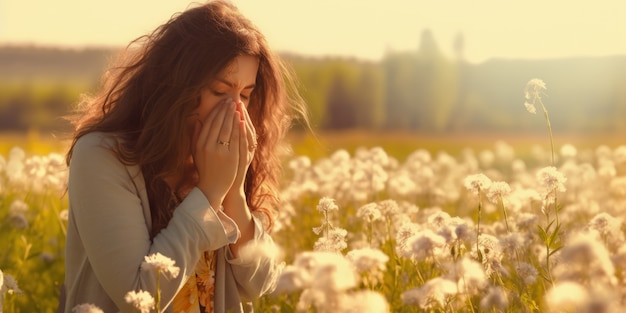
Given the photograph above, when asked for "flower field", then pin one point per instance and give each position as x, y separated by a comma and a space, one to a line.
475, 232
481, 231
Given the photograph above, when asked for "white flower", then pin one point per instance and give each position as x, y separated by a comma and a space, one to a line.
86, 308
293, 278
434, 293
567, 297
334, 241
326, 205
141, 300
568, 151
369, 212
498, 190
368, 259
161, 264
9, 284
530, 107
18, 207
533, 89
365, 301
330, 272
424, 244
551, 179
527, 272
64, 215
495, 300
469, 275
477, 183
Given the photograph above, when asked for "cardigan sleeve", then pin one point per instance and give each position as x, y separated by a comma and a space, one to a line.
113, 229
255, 269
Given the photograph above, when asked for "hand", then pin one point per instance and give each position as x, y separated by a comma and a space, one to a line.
216, 153
247, 147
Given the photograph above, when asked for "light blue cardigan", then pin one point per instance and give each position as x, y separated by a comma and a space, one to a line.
108, 236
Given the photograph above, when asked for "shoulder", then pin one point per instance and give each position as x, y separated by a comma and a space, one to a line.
94, 148
95, 141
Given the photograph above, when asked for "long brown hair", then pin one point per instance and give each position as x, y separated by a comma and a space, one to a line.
154, 87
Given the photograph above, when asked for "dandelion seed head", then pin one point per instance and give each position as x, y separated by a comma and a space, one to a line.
331, 272
369, 212
496, 299
568, 151
433, 294
534, 88
425, 243
477, 182
18, 220
365, 301
606, 225
18, 207
551, 179
498, 190
527, 272
586, 257
438, 219
389, 208
368, 259
292, 278
469, 275
530, 108
567, 296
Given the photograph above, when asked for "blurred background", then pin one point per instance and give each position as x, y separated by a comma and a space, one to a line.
410, 69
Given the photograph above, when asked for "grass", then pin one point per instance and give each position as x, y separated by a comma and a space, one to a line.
402, 144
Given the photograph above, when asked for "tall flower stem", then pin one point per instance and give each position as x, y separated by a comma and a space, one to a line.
157, 295
480, 207
545, 113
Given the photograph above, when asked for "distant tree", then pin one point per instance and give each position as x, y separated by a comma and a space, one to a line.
341, 112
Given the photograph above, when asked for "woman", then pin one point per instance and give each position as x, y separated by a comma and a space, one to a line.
177, 155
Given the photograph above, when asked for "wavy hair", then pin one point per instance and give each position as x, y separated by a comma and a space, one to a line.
154, 86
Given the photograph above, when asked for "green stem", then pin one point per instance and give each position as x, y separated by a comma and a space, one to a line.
545, 113
478, 253
157, 296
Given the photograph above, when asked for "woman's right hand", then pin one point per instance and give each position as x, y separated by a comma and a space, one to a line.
216, 153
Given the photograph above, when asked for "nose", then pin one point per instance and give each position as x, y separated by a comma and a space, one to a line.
235, 96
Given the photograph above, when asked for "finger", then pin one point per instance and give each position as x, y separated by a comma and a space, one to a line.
236, 133
250, 130
243, 143
208, 122
218, 133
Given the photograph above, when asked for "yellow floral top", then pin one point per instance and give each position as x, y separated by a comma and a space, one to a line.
196, 296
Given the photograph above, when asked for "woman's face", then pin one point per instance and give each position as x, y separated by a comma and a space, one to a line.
236, 82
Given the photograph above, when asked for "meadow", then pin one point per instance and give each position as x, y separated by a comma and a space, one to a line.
387, 223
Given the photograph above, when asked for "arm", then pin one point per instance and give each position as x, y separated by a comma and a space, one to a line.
255, 269
113, 229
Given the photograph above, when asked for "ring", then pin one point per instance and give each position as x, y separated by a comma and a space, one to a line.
225, 143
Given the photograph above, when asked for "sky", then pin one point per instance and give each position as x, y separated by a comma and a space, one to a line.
365, 29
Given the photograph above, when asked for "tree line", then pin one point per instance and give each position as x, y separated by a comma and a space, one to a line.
421, 91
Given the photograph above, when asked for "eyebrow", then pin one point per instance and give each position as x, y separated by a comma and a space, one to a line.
251, 86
